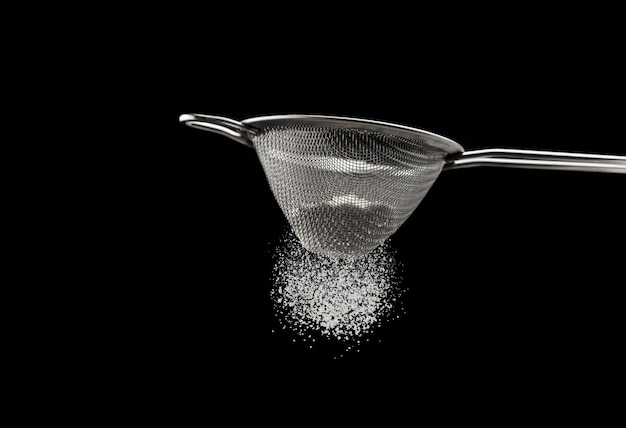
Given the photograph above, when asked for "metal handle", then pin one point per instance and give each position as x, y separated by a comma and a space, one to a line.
220, 125
534, 159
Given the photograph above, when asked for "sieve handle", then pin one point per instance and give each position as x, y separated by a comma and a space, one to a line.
220, 125
535, 159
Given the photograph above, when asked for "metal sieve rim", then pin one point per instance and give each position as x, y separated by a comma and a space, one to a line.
408, 132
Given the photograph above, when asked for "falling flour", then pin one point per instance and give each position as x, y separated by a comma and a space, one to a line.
331, 297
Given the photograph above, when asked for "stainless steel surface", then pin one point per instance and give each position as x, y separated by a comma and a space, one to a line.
339, 122
220, 125
243, 131
344, 191
537, 159
345, 185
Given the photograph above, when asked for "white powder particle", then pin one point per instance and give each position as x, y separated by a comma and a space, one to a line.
335, 298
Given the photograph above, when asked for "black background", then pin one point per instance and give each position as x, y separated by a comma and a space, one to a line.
512, 275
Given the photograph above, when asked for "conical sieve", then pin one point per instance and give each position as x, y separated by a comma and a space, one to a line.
345, 184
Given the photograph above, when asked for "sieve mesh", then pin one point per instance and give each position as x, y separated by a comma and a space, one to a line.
345, 191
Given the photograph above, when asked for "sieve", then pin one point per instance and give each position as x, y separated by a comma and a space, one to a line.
346, 184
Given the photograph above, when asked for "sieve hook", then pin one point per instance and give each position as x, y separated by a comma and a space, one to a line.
220, 125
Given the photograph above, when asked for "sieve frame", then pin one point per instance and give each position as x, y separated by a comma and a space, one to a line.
243, 132
341, 122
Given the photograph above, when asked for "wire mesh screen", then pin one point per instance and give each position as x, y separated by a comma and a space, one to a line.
345, 191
